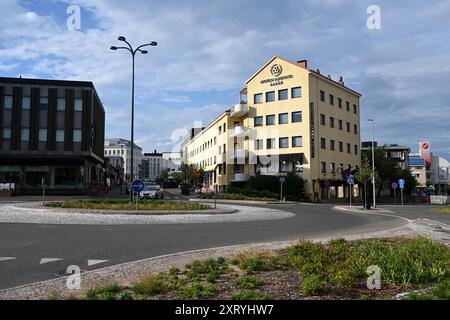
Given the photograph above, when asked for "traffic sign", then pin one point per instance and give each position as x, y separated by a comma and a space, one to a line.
282, 179
394, 185
401, 183
137, 186
351, 179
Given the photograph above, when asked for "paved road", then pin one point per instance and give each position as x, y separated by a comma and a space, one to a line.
109, 245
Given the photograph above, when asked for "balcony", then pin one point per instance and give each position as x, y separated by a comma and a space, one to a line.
239, 131
239, 177
239, 110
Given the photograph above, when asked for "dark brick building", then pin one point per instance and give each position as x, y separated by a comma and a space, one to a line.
51, 129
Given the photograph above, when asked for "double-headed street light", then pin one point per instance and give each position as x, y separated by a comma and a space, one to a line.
133, 54
373, 162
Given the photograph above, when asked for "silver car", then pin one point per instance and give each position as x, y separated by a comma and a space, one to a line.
152, 192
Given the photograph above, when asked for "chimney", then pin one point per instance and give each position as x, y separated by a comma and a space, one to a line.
155, 151
329, 77
341, 81
303, 63
318, 71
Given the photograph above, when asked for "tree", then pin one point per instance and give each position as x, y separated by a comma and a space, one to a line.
386, 168
364, 175
294, 186
187, 173
164, 174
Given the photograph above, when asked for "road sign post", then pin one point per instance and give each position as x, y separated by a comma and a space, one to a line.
351, 182
137, 186
282, 180
394, 186
401, 183
43, 191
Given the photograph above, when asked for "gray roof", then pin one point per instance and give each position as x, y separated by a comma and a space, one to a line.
117, 142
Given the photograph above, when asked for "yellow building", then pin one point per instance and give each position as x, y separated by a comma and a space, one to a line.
290, 118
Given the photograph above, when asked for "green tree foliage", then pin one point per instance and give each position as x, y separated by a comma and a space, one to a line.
294, 187
364, 174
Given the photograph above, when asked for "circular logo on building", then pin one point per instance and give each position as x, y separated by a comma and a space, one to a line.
276, 70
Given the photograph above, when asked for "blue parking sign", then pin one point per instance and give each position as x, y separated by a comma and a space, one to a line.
401, 183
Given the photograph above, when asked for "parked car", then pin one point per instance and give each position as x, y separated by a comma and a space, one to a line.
152, 192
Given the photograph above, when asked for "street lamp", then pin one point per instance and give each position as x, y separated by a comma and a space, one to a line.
373, 162
133, 54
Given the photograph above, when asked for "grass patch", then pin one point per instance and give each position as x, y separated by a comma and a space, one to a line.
443, 210
254, 262
107, 292
250, 295
149, 285
441, 292
125, 204
248, 282
341, 265
197, 290
211, 268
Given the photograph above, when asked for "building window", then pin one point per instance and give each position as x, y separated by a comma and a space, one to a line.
297, 116
296, 92
333, 167
25, 134
283, 118
270, 120
323, 143
332, 146
322, 119
220, 130
258, 121
332, 122
77, 137
340, 103
8, 102
341, 146
270, 144
78, 105
347, 105
284, 143
224, 127
322, 96
42, 135
259, 144
348, 126
283, 94
59, 135
355, 128
258, 98
43, 103
348, 148
356, 149
270, 96
61, 104
355, 109
297, 142
26, 103
331, 99
6, 133
323, 167
340, 125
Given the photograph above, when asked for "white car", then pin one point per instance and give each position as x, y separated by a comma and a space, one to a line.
152, 192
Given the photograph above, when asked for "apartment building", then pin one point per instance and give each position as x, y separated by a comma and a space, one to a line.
400, 154
51, 130
290, 119
121, 147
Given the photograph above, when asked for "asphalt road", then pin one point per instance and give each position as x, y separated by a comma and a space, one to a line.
110, 245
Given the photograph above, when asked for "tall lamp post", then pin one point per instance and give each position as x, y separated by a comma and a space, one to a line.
133, 55
373, 162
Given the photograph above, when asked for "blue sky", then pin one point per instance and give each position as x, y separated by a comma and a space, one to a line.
208, 49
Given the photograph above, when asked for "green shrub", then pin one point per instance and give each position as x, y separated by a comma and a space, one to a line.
256, 262
248, 282
294, 187
197, 290
213, 276
250, 295
149, 285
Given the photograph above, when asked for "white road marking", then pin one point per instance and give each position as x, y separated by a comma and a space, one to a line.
94, 262
7, 258
48, 260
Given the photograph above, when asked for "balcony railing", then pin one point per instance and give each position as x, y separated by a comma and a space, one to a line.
239, 110
239, 131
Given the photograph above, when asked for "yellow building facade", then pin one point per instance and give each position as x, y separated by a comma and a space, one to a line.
290, 119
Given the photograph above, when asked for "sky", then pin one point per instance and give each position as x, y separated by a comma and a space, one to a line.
207, 49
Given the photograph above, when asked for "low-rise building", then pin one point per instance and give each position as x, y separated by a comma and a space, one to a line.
51, 131
118, 147
391, 151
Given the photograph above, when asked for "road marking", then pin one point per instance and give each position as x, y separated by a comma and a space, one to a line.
94, 262
48, 260
7, 258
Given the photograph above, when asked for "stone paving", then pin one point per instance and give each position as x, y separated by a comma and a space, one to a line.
35, 213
